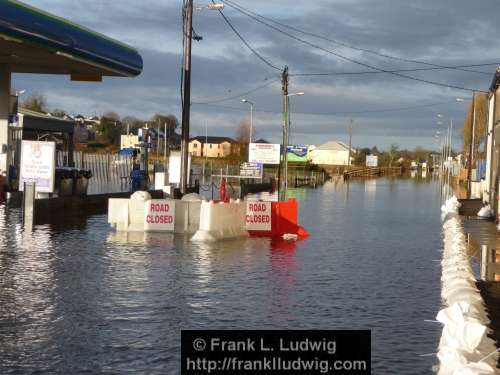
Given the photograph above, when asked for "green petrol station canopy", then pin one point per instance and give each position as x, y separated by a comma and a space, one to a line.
33, 41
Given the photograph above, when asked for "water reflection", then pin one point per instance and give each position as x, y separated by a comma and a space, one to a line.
87, 299
489, 264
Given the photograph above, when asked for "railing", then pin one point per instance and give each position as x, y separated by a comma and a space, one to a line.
373, 171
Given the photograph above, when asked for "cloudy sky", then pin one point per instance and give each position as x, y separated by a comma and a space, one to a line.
442, 32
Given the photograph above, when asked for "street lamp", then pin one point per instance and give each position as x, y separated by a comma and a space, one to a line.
285, 143
251, 117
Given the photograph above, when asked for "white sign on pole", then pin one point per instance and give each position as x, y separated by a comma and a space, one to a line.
253, 170
258, 216
159, 215
38, 165
371, 160
174, 167
265, 153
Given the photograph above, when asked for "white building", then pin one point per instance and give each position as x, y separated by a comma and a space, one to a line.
331, 153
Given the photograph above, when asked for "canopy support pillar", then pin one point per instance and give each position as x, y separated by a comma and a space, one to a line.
5, 82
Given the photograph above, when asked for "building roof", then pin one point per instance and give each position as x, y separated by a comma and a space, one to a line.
34, 41
260, 140
334, 146
33, 120
212, 139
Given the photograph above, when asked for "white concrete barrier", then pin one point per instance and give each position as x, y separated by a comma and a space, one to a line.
165, 215
221, 220
187, 216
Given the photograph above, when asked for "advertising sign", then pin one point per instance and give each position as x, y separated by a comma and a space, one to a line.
371, 160
264, 153
38, 164
251, 170
297, 154
159, 215
258, 216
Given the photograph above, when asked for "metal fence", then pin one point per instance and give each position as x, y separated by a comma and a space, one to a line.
111, 172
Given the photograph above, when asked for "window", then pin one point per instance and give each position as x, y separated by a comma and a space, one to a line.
195, 145
210, 145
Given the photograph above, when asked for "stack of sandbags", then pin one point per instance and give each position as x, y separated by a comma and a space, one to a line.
485, 211
465, 347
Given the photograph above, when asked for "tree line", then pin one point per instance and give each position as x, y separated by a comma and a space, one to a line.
111, 125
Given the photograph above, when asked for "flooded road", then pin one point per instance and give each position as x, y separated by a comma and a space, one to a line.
90, 300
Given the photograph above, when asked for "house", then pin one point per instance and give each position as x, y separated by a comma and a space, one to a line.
212, 147
490, 185
331, 153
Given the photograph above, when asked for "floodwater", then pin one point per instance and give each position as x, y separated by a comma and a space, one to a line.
90, 300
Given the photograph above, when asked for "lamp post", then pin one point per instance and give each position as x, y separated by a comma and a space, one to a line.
251, 118
186, 100
286, 131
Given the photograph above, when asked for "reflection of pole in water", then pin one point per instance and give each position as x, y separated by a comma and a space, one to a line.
488, 263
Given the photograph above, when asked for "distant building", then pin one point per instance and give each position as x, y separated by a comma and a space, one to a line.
331, 153
85, 128
213, 147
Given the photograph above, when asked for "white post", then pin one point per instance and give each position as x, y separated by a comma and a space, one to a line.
251, 122
5, 81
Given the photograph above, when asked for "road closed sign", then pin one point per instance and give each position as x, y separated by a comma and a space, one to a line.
159, 215
258, 216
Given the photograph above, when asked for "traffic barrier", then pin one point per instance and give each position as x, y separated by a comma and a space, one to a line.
221, 220
141, 213
187, 216
283, 217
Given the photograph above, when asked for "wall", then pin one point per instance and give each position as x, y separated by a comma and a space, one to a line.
211, 150
329, 157
195, 148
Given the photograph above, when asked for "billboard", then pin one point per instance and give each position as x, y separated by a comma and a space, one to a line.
38, 165
297, 154
264, 153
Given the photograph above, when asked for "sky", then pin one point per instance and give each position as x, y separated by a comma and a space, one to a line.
442, 32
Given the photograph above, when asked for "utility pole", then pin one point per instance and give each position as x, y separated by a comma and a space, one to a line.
471, 147
284, 183
186, 100
350, 144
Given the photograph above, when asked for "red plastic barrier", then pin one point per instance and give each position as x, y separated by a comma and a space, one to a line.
284, 219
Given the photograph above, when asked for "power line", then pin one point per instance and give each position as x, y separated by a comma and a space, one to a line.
236, 95
262, 58
338, 112
348, 58
389, 71
350, 46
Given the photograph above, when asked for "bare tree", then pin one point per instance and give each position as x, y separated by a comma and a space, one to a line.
481, 109
243, 131
35, 102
